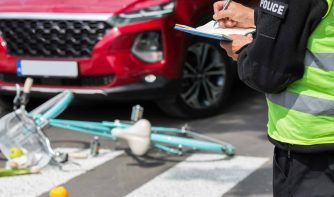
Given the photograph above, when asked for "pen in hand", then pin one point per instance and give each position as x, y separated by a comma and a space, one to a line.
224, 8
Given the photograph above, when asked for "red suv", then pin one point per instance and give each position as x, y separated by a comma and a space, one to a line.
125, 49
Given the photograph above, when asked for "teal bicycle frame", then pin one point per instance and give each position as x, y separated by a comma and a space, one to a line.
162, 138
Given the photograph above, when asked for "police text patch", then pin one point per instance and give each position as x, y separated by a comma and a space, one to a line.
274, 7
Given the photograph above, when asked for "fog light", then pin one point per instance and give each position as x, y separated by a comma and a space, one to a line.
150, 78
148, 47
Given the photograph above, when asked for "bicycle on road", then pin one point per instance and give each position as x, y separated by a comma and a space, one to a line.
25, 130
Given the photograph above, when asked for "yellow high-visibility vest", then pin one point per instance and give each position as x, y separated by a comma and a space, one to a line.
304, 113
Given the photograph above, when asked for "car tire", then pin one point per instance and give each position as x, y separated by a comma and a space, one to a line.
208, 74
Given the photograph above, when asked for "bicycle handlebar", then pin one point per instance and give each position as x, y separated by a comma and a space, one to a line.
26, 90
28, 85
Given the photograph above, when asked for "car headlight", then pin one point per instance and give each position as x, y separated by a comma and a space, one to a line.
153, 12
148, 47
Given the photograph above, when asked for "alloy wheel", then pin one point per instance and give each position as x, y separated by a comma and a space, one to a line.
204, 76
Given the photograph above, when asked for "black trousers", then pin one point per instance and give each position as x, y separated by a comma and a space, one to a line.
303, 174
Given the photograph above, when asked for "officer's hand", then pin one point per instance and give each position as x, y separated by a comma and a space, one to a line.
238, 42
236, 15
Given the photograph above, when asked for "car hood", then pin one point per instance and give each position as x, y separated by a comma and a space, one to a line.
76, 6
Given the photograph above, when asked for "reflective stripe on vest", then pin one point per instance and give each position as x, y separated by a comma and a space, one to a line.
323, 61
304, 113
303, 103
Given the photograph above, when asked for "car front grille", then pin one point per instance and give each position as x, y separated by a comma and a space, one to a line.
52, 38
98, 80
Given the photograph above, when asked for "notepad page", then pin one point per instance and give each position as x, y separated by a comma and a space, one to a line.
209, 28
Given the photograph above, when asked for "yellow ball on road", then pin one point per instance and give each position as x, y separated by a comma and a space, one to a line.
58, 192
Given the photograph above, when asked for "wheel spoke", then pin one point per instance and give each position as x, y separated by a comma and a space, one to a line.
215, 92
194, 98
213, 73
187, 76
198, 56
209, 66
190, 90
214, 65
204, 55
189, 67
212, 86
208, 93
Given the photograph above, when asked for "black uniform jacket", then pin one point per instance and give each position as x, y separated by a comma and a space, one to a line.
275, 58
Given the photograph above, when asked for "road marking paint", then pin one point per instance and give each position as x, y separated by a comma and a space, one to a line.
37, 184
201, 175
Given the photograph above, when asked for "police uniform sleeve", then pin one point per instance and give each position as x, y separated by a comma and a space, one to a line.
275, 58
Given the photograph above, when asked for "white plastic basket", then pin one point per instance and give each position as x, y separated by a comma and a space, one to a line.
19, 132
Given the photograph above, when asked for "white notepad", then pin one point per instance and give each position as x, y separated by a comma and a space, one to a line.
210, 31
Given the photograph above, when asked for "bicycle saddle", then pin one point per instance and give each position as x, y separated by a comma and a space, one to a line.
137, 136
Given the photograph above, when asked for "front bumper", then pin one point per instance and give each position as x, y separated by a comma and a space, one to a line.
160, 89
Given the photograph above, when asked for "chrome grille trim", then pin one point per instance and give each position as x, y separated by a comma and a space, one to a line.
52, 38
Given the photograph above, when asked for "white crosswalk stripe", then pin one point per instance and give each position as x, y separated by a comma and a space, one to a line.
200, 175
37, 184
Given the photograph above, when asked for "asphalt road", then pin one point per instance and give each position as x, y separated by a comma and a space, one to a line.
241, 123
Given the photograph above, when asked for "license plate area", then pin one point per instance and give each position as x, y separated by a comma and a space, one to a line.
68, 69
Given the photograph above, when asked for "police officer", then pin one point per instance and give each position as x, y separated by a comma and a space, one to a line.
299, 35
